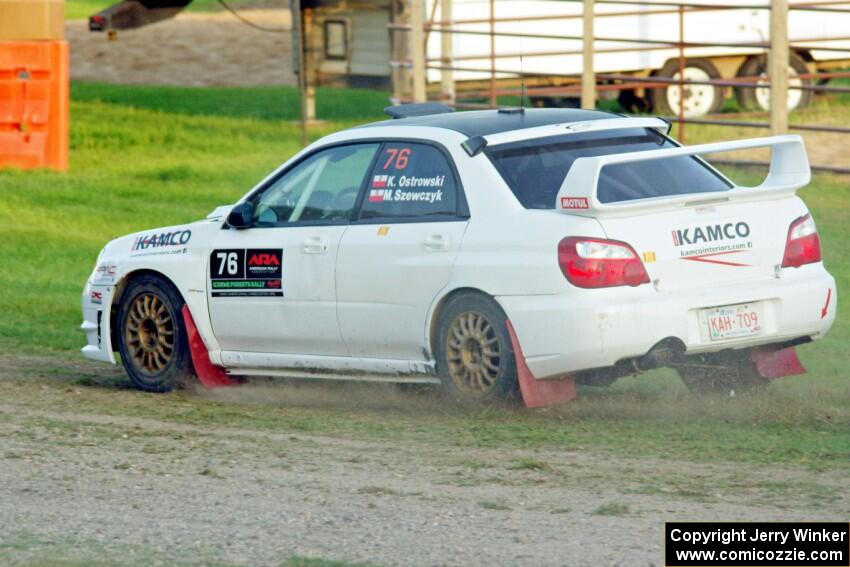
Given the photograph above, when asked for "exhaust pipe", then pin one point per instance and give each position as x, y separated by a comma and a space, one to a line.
665, 353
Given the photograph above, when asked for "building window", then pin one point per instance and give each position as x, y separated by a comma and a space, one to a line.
336, 39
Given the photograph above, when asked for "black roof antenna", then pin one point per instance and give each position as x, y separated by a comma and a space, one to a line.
521, 72
521, 82
521, 109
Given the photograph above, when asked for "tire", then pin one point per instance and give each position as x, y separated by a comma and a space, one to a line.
724, 373
632, 103
554, 102
475, 357
151, 335
699, 99
759, 99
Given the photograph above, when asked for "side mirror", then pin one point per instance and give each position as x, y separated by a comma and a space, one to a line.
242, 215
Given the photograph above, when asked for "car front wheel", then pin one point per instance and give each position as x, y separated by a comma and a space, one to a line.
152, 337
475, 359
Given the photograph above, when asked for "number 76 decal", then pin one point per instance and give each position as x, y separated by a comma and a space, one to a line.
401, 157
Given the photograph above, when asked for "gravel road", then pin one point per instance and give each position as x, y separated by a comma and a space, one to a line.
84, 485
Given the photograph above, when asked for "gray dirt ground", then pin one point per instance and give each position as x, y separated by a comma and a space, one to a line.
83, 485
196, 50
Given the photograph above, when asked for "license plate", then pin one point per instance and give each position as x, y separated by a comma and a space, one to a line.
733, 321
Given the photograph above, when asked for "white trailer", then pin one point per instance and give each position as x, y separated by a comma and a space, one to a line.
541, 41
539, 38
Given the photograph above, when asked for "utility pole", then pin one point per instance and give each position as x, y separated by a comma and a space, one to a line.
417, 49
588, 76
447, 78
778, 62
298, 22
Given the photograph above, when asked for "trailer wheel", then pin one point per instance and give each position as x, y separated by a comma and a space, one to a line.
630, 102
699, 99
759, 98
724, 373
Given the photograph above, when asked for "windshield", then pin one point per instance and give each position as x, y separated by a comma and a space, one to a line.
535, 169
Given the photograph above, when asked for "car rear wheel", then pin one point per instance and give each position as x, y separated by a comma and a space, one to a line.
723, 373
475, 359
152, 337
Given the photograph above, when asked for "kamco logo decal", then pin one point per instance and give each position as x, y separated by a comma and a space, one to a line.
176, 238
710, 233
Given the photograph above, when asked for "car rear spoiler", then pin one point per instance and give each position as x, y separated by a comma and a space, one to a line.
473, 146
789, 171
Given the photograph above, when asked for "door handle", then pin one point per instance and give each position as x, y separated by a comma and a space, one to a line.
436, 242
315, 245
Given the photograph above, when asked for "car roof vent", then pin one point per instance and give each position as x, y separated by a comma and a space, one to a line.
417, 109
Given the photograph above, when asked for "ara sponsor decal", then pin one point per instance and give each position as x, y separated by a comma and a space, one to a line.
163, 239
241, 272
96, 297
264, 263
574, 203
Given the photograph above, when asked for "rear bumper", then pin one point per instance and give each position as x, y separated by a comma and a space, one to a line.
585, 329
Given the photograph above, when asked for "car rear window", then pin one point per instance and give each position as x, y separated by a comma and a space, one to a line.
535, 169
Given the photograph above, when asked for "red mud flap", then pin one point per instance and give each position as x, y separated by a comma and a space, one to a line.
209, 375
539, 393
776, 363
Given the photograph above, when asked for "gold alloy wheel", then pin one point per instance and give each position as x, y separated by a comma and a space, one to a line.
150, 333
473, 353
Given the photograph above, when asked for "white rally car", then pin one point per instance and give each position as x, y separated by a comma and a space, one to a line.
495, 252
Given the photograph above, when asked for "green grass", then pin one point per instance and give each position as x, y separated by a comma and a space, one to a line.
143, 157
263, 103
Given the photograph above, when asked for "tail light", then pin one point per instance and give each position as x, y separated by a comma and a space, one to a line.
593, 263
803, 244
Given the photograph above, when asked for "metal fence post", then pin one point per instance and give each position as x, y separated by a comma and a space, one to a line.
298, 22
417, 49
778, 66
447, 78
588, 77
494, 102
680, 112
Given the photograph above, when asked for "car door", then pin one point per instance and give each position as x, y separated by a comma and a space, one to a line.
271, 287
398, 254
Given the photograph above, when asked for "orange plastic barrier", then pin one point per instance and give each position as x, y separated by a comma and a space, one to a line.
34, 104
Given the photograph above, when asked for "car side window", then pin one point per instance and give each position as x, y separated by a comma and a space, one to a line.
322, 188
410, 181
